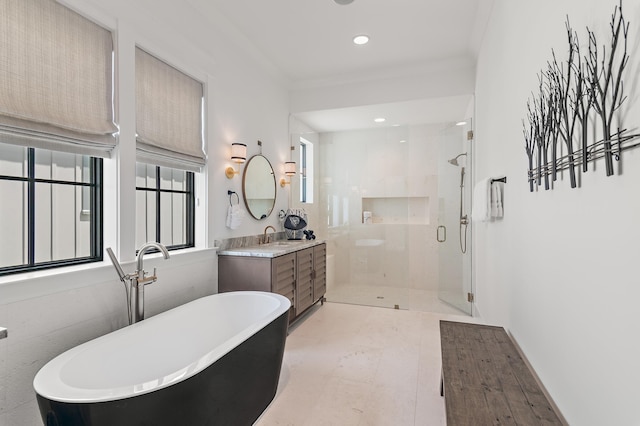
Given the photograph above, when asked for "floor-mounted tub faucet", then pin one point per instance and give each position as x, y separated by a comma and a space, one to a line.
137, 294
137, 280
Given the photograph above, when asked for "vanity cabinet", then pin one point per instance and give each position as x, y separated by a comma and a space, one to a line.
312, 276
283, 278
304, 282
300, 275
320, 271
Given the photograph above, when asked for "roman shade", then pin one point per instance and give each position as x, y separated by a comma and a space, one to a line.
56, 89
168, 115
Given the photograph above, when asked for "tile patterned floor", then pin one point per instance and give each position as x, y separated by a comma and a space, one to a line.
358, 365
388, 297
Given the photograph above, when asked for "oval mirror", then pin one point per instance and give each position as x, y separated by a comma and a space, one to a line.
259, 187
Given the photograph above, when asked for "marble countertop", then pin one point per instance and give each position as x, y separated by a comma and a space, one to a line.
274, 249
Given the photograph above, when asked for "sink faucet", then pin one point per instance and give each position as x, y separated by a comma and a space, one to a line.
265, 238
140, 279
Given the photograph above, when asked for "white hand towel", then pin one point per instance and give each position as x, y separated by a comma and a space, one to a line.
481, 201
494, 200
235, 215
229, 214
499, 196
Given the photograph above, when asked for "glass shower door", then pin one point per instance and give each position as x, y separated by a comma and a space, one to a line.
453, 233
364, 192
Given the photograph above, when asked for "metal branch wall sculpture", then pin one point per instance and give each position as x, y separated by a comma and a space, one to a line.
571, 95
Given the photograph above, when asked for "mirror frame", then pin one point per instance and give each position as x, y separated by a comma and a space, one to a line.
244, 187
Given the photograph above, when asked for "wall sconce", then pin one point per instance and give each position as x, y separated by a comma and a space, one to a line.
238, 155
289, 170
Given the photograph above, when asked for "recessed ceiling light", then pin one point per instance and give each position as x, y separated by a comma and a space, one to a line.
403, 141
343, 2
461, 123
379, 120
361, 39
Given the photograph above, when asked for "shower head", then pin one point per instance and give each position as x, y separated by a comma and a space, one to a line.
454, 161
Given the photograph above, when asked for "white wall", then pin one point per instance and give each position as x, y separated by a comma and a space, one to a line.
49, 312
560, 271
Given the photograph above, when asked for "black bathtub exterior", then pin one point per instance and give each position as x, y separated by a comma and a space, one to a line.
234, 390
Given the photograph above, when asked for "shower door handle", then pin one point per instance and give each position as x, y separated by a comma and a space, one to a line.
444, 234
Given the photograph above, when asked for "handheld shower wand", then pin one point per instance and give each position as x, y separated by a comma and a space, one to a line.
464, 220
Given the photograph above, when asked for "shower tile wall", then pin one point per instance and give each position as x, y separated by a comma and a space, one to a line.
392, 171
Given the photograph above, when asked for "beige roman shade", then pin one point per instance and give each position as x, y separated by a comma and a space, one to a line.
56, 89
168, 115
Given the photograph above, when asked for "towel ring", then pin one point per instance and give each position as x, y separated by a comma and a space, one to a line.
230, 193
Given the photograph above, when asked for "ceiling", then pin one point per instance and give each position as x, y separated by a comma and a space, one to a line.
310, 43
421, 111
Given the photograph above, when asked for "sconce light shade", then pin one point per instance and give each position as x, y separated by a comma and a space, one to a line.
290, 168
238, 152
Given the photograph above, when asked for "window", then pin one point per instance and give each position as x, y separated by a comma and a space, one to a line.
165, 206
306, 171
51, 212
169, 149
56, 119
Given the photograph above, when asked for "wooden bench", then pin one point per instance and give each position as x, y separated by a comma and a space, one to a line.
485, 381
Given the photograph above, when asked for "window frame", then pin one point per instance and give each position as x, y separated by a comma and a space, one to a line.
306, 179
303, 172
96, 215
190, 210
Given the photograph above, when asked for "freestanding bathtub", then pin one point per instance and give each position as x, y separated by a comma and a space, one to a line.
213, 361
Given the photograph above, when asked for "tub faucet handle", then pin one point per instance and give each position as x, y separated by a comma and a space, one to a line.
148, 280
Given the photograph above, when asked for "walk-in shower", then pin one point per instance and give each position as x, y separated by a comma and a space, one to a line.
464, 219
387, 198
